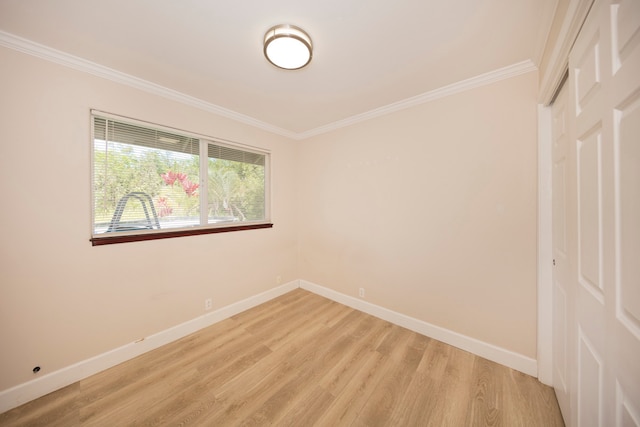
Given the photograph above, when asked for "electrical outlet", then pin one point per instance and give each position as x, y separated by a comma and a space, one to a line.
208, 303
361, 292
278, 280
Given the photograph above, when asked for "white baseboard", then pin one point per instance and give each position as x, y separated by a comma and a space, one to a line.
30, 390
494, 353
38, 387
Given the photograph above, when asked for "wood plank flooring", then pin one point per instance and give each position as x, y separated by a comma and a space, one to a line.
299, 360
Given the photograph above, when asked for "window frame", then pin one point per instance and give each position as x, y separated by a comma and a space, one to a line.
204, 142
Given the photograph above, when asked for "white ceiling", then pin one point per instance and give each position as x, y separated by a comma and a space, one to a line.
367, 53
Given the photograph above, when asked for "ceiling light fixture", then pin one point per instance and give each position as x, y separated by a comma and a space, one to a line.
287, 46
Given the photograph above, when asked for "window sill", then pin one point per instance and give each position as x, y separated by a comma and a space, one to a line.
110, 240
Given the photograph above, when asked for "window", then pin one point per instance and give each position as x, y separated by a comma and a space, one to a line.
151, 182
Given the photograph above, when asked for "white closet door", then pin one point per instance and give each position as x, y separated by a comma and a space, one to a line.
623, 110
604, 124
562, 290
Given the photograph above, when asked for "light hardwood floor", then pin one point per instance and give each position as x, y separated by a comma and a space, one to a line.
299, 360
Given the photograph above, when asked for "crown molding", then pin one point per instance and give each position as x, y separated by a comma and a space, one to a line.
461, 86
29, 47
53, 55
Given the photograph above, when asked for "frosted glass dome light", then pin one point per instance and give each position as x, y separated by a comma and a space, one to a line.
288, 47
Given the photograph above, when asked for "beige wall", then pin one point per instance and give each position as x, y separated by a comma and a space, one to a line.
62, 300
433, 211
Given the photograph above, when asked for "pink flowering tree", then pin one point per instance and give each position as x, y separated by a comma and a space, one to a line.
179, 195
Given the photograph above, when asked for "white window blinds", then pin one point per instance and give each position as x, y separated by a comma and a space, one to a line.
147, 179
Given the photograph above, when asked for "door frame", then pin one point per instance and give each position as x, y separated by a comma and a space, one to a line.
550, 84
545, 249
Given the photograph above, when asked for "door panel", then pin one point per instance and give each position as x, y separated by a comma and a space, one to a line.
596, 215
624, 110
625, 36
586, 71
590, 383
589, 148
560, 344
560, 313
627, 129
626, 412
625, 114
